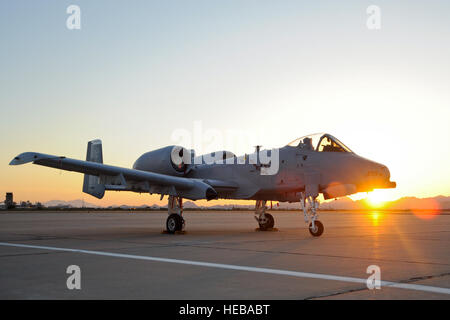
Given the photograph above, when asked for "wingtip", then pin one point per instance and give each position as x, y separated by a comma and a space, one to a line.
16, 161
28, 157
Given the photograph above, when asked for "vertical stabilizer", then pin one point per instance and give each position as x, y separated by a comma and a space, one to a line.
91, 184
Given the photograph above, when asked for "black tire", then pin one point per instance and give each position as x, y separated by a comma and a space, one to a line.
268, 223
174, 223
318, 228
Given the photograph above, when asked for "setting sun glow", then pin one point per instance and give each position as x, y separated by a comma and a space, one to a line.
375, 216
376, 199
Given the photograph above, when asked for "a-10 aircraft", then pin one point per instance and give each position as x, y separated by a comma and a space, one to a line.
297, 172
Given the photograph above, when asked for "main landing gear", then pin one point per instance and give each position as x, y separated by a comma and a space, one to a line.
309, 207
175, 221
265, 220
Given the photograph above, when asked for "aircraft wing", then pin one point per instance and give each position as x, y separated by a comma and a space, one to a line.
122, 179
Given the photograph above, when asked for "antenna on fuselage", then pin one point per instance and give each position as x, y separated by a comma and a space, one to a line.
257, 149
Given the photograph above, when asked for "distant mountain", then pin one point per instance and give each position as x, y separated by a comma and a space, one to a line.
406, 203
79, 203
189, 205
343, 204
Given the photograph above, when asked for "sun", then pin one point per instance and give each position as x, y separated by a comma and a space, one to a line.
377, 198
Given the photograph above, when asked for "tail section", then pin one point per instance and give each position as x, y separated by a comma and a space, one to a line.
91, 184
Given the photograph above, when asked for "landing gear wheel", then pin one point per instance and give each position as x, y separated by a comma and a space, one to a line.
174, 223
267, 222
318, 228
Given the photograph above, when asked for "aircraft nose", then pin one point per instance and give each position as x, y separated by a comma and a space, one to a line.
386, 175
384, 171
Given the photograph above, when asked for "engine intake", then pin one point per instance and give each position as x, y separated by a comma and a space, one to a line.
171, 160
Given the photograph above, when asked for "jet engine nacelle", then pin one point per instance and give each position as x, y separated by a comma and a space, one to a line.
338, 190
171, 160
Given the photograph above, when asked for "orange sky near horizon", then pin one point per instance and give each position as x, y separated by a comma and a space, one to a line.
269, 73
37, 183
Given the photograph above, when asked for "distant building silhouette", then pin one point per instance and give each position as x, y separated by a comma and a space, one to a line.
9, 203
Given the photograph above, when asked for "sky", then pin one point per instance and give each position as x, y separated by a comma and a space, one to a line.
138, 73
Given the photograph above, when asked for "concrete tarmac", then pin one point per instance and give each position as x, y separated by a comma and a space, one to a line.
121, 254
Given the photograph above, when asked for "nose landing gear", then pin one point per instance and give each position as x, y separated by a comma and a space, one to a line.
317, 229
309, 207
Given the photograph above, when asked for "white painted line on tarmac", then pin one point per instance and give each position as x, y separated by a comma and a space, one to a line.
297, 274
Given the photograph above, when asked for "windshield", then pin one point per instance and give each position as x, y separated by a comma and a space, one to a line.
320, 142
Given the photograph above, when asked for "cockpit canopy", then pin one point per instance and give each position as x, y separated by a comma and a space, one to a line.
321, 142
